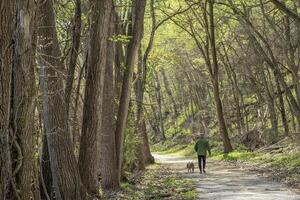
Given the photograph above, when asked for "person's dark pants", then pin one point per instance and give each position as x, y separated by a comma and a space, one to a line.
203, 158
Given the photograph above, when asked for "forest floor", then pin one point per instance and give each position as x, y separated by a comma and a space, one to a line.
157, 182
225, 181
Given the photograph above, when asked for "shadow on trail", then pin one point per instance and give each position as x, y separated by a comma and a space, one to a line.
223, 182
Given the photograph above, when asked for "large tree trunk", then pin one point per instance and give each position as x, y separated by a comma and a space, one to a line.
148, 158
24, 98
127, 79
108, 169
7, 23
215, 81
140, 116
139, 97
64, 168
89, 155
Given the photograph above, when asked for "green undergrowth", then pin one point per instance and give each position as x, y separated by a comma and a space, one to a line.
178, 127
157, 182
288, 160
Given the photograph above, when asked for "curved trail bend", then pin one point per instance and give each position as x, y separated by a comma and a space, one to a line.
224, 182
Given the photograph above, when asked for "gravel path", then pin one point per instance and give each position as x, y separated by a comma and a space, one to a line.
225, 182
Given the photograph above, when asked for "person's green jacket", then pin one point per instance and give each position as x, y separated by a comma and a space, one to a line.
202, 147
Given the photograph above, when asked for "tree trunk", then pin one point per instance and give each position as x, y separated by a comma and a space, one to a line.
139, 95
149, 159
159, 109
108, 169
89, 155
127, 80
73, 54
282, 109
221, 120
24, 94
144, 149
7, 23
64, 168
215, 81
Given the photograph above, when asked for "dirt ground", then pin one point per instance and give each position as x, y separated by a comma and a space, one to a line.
226, 182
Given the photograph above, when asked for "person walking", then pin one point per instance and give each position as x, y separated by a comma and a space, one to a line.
202, 147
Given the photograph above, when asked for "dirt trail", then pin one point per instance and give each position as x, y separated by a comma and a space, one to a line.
224, 182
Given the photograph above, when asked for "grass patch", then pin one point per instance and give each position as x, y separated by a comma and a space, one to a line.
157, 182
189, 195
289, 160
234, 156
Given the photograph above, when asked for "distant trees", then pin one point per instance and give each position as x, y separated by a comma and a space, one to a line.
237, 60
200, 26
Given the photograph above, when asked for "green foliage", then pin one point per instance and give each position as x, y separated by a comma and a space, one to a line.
189, 195
234, 156
286, 160
124, 39
171, 182
176, 127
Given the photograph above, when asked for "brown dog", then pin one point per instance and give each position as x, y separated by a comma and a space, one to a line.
190, 167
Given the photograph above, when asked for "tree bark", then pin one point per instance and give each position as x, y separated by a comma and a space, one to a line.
109, 175
139, 97
64, 168
89, 155
143, 147
24, 97
7, 23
